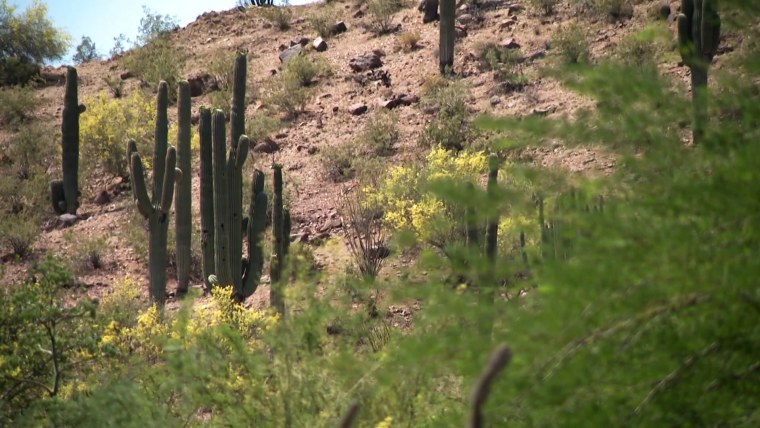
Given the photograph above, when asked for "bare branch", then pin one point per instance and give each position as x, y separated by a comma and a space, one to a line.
499, 359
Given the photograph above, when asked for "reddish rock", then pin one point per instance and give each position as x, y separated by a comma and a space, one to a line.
357, 109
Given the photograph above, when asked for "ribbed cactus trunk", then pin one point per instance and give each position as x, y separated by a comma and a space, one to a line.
257, 220
207, 194
65, 194
236, 158
447, 35
157, 210
698, 39
278, 252
492, 228
183, 202
221, 201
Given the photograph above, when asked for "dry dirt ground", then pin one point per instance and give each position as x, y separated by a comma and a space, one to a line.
327, 121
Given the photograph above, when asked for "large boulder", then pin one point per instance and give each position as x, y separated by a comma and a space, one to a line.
365, 61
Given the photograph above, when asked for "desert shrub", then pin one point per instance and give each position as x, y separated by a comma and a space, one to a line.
305, 68
107, 124
221, 66
86, 253
640, 49
338, 161
571, 44
409, 205
323, 20
157, 60
381, 133
450, 127
18, 233
506, 63
290, 91
17, 104
31, 152
260, 125
278, 16
115, 85
408, 40
365, 235
544, 6
381, 13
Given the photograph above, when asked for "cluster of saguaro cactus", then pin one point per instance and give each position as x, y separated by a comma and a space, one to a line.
447, 36
698, 39
157, 209
65, 193
183, 202
222, 220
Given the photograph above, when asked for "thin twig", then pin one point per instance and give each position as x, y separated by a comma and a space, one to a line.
350, 416
499, 359
671, 378
735, 376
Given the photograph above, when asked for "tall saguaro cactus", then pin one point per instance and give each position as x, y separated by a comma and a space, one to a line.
183, 203
156, 209
447, 30
207, 194
65, 194
698, 39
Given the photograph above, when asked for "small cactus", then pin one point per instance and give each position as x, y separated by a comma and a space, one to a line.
157, 209
698, 39
65, 194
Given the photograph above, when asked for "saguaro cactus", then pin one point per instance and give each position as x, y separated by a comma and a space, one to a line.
65, 194
281, 238
446, 42
698, 39
156, 210
257, 220
183, 202
207, 194
492, 228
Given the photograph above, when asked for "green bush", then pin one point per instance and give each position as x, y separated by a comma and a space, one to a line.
305, 68
157, 60
260, 125
32, 152
544, 6
278, 16
17, 104
381, 133
381, 14
506, 63
338, 161
323, 20
450, 127
571, 44
107, 124
18, 233
291, 90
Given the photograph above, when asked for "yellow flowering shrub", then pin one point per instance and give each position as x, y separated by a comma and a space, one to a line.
106, 126
409, 206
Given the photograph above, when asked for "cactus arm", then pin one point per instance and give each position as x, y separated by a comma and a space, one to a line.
138, 186
242, 151
237, 109
161, 139
58, 197
167, 189
257, 212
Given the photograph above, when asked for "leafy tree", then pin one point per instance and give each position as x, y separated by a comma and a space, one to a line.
26, 40
153, 25
86, 51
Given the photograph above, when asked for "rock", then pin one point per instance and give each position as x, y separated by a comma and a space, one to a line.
460, 32
357, 109
507, 23
202, 83
195, 118
300, 40
290, 53
509, 43
358, 14
495, 100
365, 62
430, 11
319, 45
465, 18
267, 25
408, 100
126, 75
312, 150
103, 198
302, 237
67, 220
389, 104
379, 251
282, 47
266, 146
338, 28
332, 223
543, 111
664, 11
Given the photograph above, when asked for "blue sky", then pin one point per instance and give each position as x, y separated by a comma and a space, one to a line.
102, 20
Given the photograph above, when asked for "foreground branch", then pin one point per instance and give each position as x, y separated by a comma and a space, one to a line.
499, 359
